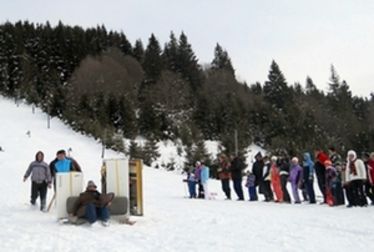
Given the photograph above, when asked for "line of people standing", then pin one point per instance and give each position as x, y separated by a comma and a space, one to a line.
270, 176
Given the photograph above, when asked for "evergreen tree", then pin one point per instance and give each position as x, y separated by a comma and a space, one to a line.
135, 151
127, 118
152, 60
222, 60
150, 152
138, 51
125, 45
170, 53
187, 63
276, 91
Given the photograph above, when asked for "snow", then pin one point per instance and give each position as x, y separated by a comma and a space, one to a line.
171, 222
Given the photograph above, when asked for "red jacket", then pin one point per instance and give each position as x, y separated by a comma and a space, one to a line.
322, 157
371, 171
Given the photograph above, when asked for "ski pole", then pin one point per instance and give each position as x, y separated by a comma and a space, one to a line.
50, 203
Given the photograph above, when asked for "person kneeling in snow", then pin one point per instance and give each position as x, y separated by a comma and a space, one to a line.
92, 205
40, 179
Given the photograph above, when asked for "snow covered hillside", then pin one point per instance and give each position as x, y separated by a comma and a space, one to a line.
171, 222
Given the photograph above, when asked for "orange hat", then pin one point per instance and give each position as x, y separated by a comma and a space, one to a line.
328, 163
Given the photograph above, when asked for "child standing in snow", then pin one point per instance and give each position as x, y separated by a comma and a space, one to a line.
191, 182
40, 179
251, 185
295, 179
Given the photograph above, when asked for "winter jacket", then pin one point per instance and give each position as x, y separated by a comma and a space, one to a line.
90, 197
336, 159
64, 165
198, 173
257, 169
322, 157
360, 169
204, 177
39, 172
191, 177
251, 180
371, 171
308, 167
236, 168
284, 167
331, 176
224, 170
266, 172
295, 174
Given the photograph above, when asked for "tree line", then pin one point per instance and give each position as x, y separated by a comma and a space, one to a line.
101, 84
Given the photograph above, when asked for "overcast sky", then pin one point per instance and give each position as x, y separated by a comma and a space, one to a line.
303, 37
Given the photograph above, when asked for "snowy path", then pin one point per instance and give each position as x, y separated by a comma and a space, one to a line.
171, 222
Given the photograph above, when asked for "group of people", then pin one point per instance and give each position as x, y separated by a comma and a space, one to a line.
198, 177
270, 176
91, 205
43, 175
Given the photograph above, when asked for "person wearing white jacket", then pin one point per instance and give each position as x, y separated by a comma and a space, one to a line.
355, 174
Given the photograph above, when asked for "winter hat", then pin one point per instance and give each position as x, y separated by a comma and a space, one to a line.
295, 160
274, 158
91, 184
198, 163
328, 163
352, 153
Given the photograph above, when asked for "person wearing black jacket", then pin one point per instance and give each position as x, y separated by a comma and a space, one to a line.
265, 187
257, 169
236, 169
284, 169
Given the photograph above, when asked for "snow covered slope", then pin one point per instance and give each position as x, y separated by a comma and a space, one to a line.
171, 222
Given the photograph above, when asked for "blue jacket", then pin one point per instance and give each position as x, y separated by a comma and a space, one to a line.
204, 174
309, 164
64, 165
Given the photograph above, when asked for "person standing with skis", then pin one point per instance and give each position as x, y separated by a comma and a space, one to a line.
40, 179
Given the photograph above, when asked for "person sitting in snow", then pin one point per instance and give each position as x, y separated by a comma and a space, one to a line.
40, 179
92, 205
